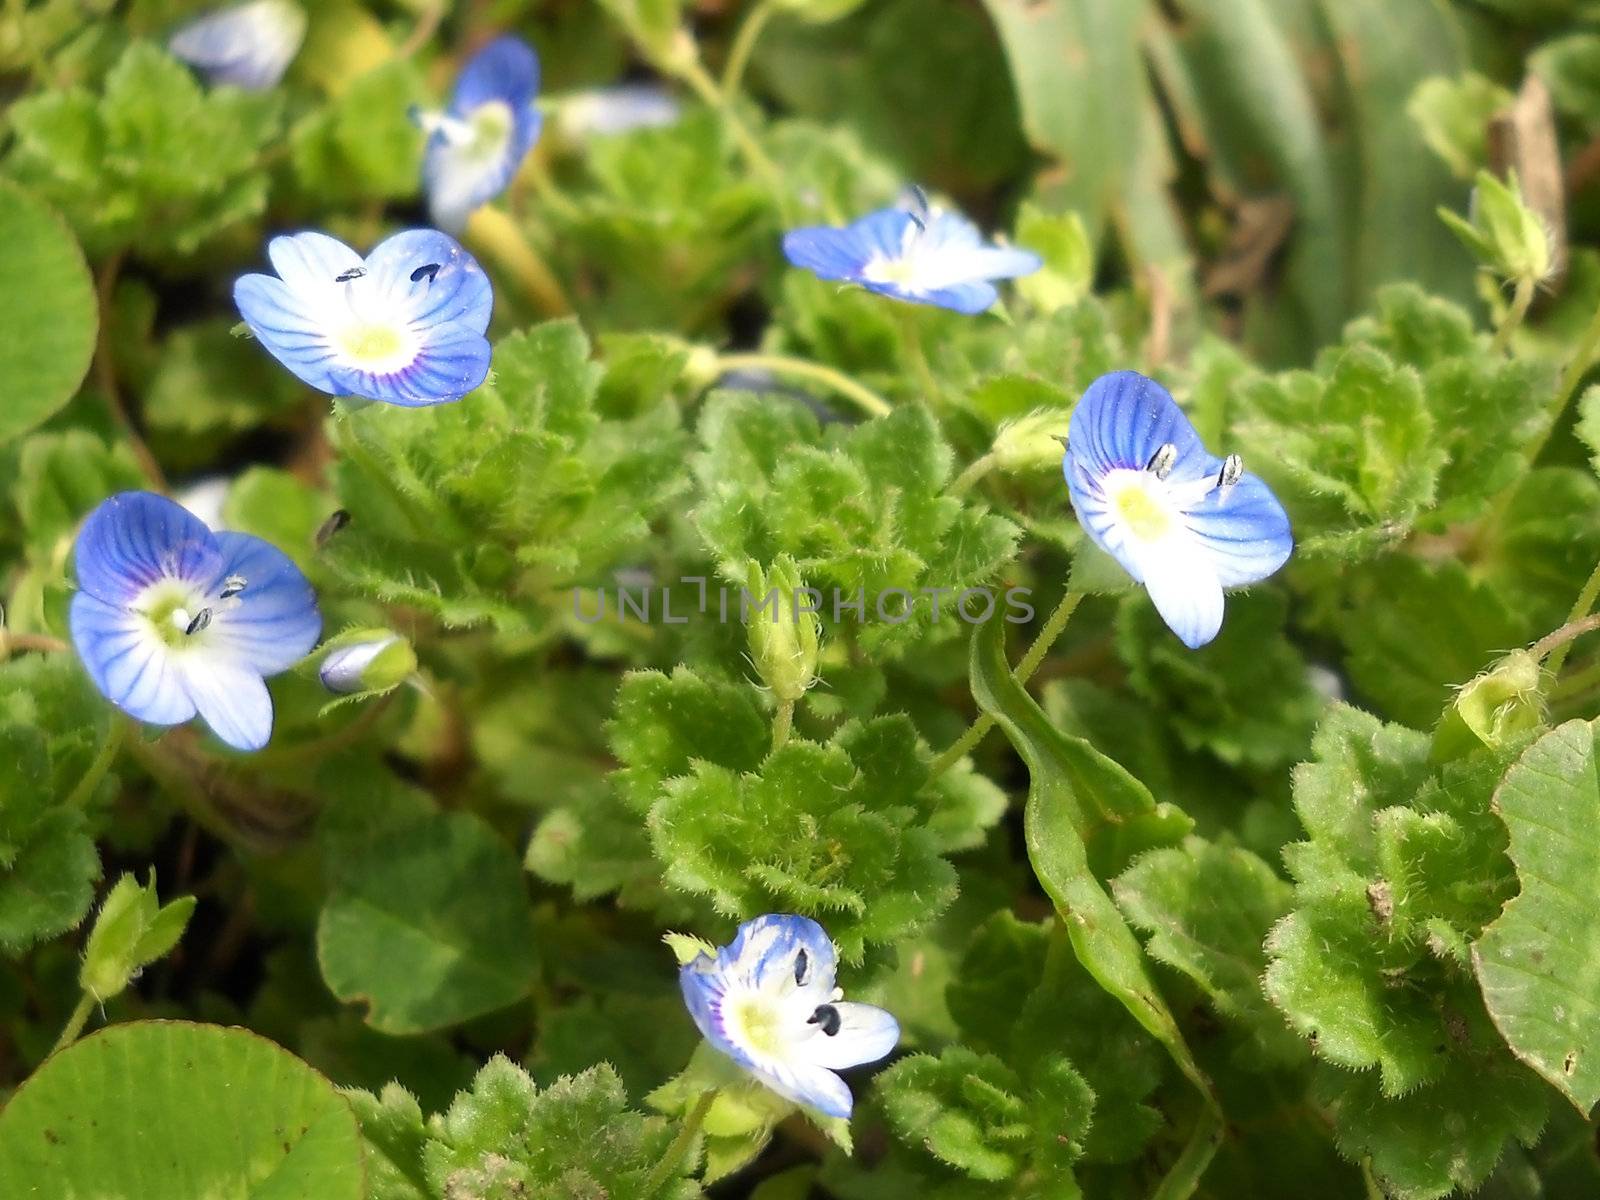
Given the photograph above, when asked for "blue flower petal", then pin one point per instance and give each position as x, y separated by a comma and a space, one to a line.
445, 370
402, 273
816, 1086
230, 698
865, 1034
765, 950
843, 254
248, 45
308, 261
276, 622
1245, 530
293, 331
966, 298
505, 69
127, 662
1123, 419
133, 539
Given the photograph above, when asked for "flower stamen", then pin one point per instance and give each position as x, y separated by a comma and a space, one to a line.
1162, 461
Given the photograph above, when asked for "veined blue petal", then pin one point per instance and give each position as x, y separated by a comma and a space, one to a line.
134, 539
805, 1083
505, 69
444, 370
765, 953
426, 277
843, 254
128, 663
275, 621
290, 326
1124, 418
967, 298
248, 45
231, 699
1181, 578
1245, 531
309, 260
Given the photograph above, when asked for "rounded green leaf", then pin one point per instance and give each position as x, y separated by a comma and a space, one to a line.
183, 1112
47, 308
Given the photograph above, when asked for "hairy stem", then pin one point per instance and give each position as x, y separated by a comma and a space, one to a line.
670, 1161
964, 481
744, 44
1512, 321
75, 1023
836, 381
782, 722
85, 789
105, 374
1559, 644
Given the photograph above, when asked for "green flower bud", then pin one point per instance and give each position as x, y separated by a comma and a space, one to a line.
133, 929
1033, 442
1503, 233
364, 661
780, 615
1497, 709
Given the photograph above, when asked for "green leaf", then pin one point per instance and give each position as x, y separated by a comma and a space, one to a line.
363, 145
1535, 960
221, 1112
394, 1135
1208, 909
48, 309
973, 1112
1073, 789
428, 925
665, 723
1246, 697
574, 1140
60, 477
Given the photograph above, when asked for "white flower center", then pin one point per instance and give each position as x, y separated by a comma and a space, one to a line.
755, 1021
377, 346
1144, 505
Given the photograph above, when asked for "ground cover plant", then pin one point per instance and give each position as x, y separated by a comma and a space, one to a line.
640, 599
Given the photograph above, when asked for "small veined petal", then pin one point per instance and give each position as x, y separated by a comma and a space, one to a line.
133, 539
231, 699
247, 45
807, 1083
344, 669
474, 149
273, 622
864, 1034
405, 325
128, 664
917, 254
1179, 520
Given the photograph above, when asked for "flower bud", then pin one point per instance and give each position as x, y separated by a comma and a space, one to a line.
1032, 442
1502, 232
1497, 709
367, 660
781, 619
133, 929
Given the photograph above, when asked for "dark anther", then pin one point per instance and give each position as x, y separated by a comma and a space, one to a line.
426, 272
800, 965
827, 1016
233, 585
335, 522
201, 620
1232, 471
352, 273
1161, 462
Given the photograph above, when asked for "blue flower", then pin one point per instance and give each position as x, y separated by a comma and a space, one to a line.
604, 112
915, 253
405, 326
1183, 522
249, 45
768, 1002
173, 620
476, 145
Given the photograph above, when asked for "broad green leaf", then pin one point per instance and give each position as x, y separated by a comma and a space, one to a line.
181, 1111
428, 925
1208, 909
48, 309
1073, 789
1539, 961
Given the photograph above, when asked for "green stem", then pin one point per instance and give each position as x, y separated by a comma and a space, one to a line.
911, 337
692, 71
782, 722
84, 791
1581, 608
744, 44
1570, 379
75, 1023
1512, 321
670, 1161
972, 474
781, 364
958, 749
1183, 1178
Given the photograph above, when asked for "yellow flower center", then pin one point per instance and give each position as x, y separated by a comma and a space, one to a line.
1142, 514
753, 1022
372, 343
